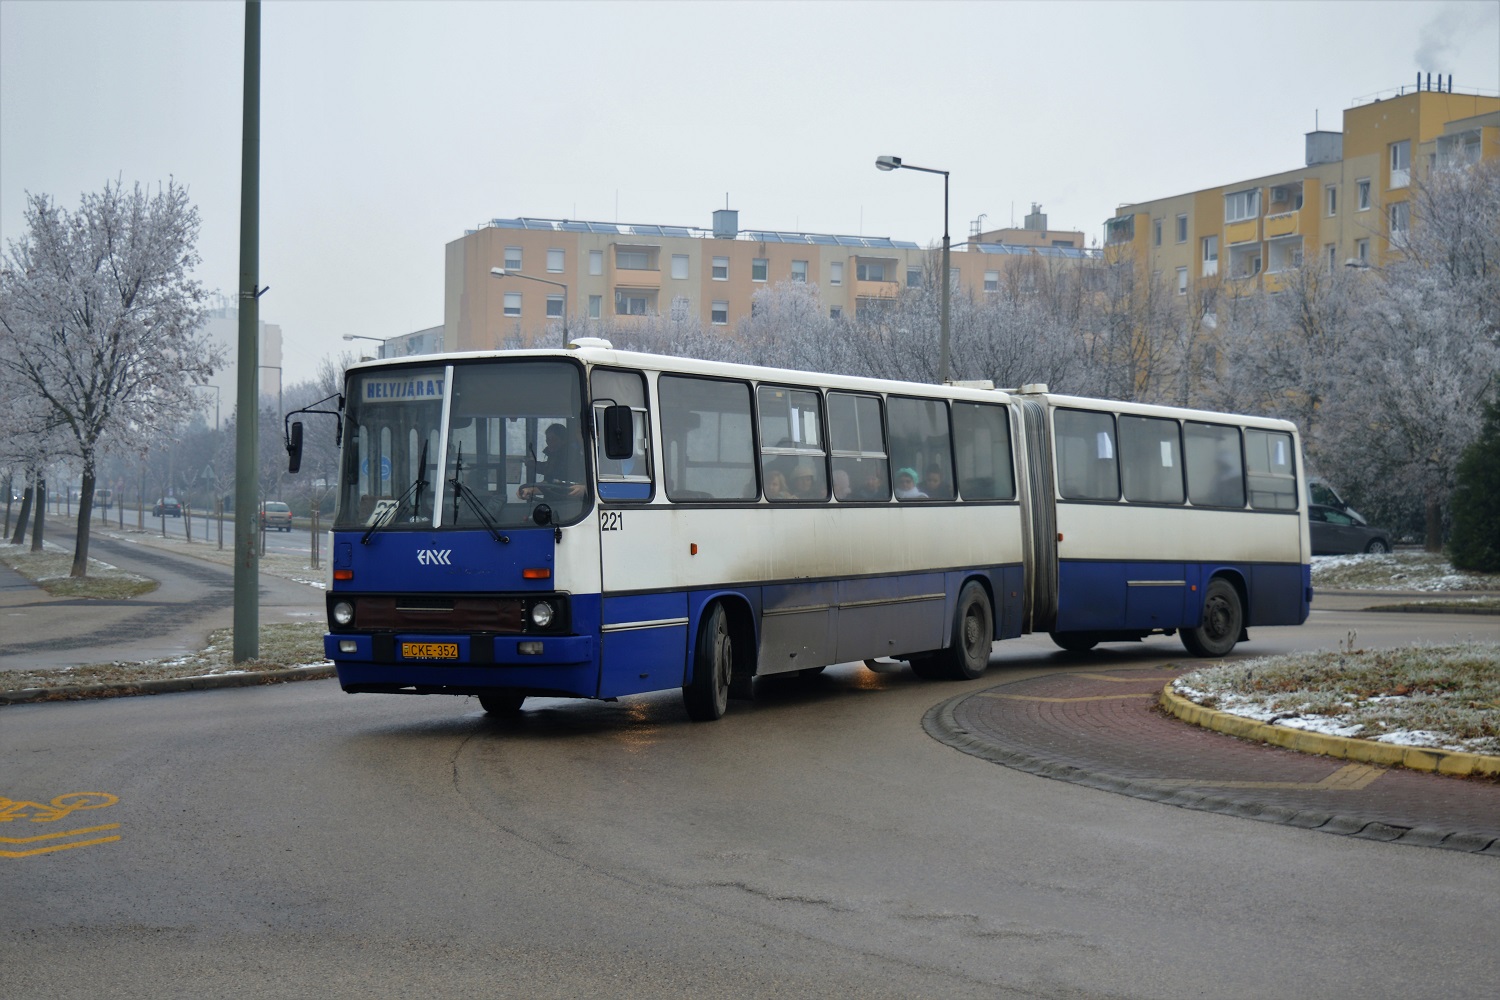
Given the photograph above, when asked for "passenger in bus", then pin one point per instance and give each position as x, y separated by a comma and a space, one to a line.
874, 485
776, 486
906, 485
805, 483
935, 486
563, 464
841, 488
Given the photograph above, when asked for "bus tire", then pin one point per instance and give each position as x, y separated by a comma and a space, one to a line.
1074, 642
1223, 621
973, 634
706, 696
502, 703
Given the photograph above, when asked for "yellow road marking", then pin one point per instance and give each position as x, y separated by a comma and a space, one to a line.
1349, 778
51, 848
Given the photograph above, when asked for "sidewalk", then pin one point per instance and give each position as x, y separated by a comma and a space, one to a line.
196, 597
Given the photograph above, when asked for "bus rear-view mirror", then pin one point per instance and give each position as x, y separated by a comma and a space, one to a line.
618, 432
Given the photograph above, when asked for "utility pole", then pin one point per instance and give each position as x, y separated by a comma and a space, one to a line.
247, 427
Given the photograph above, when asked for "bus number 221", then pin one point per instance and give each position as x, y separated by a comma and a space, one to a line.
612, 520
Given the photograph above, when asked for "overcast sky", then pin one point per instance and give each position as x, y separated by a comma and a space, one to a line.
390, 128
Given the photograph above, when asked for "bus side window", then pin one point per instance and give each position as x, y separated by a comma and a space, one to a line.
1151, 460
921, 444
627, 478
711, 449
1087, 467
1215, 471
1271, 472
856, 436
983, 453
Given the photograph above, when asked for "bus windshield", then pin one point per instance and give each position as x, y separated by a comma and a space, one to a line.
514, 440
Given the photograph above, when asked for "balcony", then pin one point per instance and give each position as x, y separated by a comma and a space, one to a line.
1281, 224
1242, 232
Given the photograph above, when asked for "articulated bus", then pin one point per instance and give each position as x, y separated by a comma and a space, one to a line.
593, 523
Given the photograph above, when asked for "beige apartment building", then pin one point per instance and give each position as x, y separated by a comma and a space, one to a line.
1353, 192
560, 268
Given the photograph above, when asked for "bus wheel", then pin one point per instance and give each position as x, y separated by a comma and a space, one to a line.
707, 694
502, 703
973, 634
1074, 642
1223, 620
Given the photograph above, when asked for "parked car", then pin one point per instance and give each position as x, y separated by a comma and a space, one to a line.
1341, 532
275, 514
167, 507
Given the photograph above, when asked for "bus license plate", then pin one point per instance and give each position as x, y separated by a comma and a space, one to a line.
429, 650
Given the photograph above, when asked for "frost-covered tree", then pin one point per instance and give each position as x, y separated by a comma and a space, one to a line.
103, 320
1475, 543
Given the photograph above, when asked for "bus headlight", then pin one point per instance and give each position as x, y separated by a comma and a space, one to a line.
343, 613
541, 614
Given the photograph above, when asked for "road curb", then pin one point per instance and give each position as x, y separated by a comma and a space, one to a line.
170, 685
1451, 762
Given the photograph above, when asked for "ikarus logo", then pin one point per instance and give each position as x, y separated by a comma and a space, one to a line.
435, 557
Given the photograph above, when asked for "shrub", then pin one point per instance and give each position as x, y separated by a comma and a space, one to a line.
1475, 542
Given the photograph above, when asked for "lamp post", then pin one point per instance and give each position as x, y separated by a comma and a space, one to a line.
501, 272
360, 336
894, 163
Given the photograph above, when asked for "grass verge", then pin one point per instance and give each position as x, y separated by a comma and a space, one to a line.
1446, 697
49, 570
292, 644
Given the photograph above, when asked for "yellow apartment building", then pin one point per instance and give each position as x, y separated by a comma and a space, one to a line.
557, 268
1343, 204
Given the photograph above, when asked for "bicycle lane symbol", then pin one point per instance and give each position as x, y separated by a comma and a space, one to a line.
60, 808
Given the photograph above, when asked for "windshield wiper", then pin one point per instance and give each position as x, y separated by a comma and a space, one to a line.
462, 492
414, 491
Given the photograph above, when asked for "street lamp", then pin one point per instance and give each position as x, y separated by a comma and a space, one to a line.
894, 163
360, 336
501, 272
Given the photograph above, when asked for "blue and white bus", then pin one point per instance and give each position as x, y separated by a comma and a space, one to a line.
594, 523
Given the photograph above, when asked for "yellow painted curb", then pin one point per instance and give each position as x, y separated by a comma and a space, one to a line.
1366, 751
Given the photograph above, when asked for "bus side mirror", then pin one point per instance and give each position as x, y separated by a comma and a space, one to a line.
294, 447
619, 426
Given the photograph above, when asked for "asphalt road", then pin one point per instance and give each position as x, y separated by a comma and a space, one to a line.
293, 841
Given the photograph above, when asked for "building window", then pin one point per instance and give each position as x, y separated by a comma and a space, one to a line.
1331, 251
1210, 249
1401, 163
554, 261
870, 270
632, 260
596, 262
759, 269
1182, 281
721, 269
596, 306
512, 258
836, 273
512, 303
1362, 186
554, 306
679, 265
799, 271
1242, 205
628, 304
1362, 252
1156, 232
835, 312
992, 281
1400, 217
720, 314
1333, 200
1182, 229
